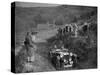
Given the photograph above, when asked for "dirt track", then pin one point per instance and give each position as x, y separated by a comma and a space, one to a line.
40, 60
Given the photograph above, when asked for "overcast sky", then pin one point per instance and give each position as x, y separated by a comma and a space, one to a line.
31, 4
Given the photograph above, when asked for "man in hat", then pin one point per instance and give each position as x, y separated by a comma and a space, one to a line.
29, 46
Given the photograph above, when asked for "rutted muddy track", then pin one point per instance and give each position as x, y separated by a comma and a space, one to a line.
40, 63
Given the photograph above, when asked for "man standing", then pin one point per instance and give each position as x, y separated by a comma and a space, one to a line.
28, 44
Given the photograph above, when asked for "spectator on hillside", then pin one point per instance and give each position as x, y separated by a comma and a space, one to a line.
33, 35
29, 45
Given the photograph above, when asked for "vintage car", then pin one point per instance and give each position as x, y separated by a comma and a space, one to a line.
62, 58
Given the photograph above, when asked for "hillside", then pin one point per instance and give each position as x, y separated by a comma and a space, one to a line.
27, 19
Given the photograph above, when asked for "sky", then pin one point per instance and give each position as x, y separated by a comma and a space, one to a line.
31, 4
